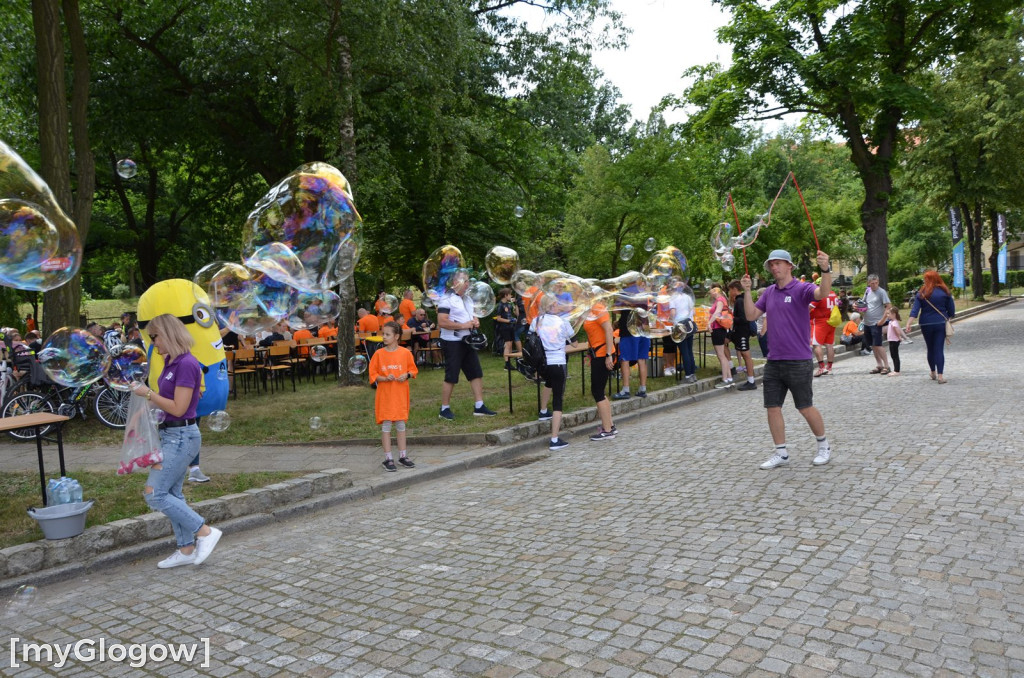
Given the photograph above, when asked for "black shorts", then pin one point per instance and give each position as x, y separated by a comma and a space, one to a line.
718, 336
741, 341
554, 378
793, 376
458, 356
599, 374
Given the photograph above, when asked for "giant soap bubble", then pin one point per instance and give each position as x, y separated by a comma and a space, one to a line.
747, 237
305, 232
439, 268
39, 245
569, 297
73, 357
720, 238
225, 283
313, 309
525, 283
483, 299
128, 365
502, 263
664, 268
389, 305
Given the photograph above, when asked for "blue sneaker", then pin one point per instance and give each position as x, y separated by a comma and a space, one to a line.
447, 414
557, 444
482, 411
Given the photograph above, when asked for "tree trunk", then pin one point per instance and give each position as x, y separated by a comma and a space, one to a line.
975, 229
877, 188
993, 258
347, 151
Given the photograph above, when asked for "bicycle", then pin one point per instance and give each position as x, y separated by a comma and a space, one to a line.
108, 405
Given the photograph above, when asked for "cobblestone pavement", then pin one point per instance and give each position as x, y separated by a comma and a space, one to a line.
666, 552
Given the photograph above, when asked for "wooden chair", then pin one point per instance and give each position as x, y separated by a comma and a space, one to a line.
242, 363
433, 351
279, 362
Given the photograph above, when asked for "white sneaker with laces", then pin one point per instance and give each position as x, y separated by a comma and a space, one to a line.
824, 456
776, 460
205, 545
176, 560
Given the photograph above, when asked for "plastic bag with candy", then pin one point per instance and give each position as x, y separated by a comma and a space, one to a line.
141, 447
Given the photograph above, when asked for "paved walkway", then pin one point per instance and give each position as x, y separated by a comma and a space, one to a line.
666, 552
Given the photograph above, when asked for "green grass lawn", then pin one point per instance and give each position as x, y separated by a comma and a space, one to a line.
115, 497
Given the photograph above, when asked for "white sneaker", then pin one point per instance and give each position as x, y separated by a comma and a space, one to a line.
205, 545
824, 456
670, 371
776, 460
177, 559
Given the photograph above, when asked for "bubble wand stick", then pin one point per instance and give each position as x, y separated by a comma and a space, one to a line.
817, 248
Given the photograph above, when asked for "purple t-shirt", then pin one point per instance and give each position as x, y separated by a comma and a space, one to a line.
789, 320
184, 371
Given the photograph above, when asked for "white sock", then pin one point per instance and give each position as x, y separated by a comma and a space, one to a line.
822, 443
387, 455
781, 451
750, 380
479, 404
401, 454
554, 440
444, 407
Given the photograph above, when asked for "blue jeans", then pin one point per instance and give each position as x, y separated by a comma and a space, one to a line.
685, 350
178, 445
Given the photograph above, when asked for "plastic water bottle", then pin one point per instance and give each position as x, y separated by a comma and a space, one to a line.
51, 491
75, 491
62, 492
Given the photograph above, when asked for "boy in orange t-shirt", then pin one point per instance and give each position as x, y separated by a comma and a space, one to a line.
391, 367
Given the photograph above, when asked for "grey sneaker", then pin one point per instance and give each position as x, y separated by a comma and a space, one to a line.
690, 379
195, 475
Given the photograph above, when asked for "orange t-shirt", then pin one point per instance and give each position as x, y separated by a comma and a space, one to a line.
392, 401
302, 334
378, 305
328, 333
595, 332
533, 308
385, 319
369, 323
406, 308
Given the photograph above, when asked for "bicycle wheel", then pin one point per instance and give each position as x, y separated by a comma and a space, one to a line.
27, 403
111, 407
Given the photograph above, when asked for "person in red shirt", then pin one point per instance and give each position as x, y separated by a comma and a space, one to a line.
823, 334
391, 368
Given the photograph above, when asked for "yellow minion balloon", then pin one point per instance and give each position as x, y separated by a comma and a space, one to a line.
188, 301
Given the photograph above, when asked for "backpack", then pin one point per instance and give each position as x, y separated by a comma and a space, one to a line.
536, 361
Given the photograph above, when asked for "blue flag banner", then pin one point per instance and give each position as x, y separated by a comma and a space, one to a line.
957, 228
1001, 256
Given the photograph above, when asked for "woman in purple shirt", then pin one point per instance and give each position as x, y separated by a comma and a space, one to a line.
178, 392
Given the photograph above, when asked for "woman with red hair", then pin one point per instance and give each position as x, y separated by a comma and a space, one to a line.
934, 305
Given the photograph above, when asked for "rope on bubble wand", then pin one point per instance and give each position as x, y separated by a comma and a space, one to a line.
807, 212
736, 216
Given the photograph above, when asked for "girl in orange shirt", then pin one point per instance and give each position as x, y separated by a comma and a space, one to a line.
391, 368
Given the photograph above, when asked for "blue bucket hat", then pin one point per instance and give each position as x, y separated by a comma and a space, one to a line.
779, 255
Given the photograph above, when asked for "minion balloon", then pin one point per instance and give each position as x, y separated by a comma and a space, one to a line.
189, 303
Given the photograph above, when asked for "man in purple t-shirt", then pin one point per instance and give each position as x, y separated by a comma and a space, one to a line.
790, 365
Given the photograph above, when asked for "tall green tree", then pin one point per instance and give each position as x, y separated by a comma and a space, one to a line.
970, 143
855, 65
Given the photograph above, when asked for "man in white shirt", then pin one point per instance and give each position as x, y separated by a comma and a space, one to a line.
456, 320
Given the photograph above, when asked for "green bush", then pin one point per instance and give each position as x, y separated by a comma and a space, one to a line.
897, 291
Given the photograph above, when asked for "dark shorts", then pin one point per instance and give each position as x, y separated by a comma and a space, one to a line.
554, 378
874, 334
458, 356
792, 376
741, 342
718, 336
634, 348
519, 332
598, 378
